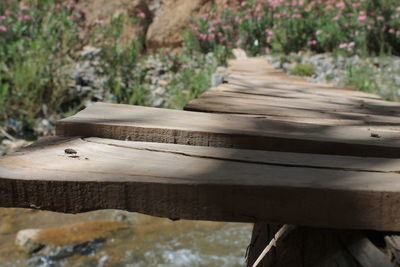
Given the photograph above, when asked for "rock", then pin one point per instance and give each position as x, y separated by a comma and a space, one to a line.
239, 53
44, 127
53, 244
396, 79
110, 9
217, 79
287, 67
381, 72
6, 228
90, 52
13, 145
26, 239
172, 18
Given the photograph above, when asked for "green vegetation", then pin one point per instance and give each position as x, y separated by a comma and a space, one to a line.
364, 79
41, 42
361, 27
352, 27
303, 70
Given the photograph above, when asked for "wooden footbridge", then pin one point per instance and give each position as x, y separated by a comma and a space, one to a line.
262, 147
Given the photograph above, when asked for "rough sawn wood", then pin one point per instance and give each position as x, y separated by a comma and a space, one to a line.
202, 183
126, 122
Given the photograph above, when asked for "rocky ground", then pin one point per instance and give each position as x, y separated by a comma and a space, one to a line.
116, 238
373, 74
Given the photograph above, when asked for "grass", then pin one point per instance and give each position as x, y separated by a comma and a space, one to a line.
39, 42
303, 70
366, 80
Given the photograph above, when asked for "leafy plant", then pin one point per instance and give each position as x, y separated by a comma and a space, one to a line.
349, 27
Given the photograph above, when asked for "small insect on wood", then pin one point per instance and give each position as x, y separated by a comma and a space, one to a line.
70, 151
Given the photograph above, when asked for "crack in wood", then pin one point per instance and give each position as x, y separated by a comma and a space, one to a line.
242, 160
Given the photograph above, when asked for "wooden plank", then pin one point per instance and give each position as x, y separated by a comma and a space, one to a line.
219, 130
296, 92
227, 102
257, 72
199, 185
284, 82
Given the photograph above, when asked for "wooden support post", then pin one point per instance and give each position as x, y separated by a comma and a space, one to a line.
308, 247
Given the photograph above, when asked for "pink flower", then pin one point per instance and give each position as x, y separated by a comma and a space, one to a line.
24, 17
340, 5
238, 19
243, 3
392, 31
355, 5
24, 7
380, 18
203, 36
312, 42
2, 17
319, 32
140, 13
58, 6
211, 37
343, 45
3, 28
361, 18
99, 22
267, 50
269, 32
71, 5
296, 16
352, 44
336, 18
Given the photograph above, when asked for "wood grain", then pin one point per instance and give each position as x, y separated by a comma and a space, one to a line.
188, 182
310, 107
126, 122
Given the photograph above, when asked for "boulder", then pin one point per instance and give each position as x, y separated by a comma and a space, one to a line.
167, 26
101, 11
64, 241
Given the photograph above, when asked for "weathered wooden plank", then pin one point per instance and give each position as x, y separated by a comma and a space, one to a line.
182, 182
299, 92
227, 102
257, 72
206, 129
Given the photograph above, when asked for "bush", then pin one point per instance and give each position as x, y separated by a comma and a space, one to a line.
39, 42
303, 70
36, 42
353, 26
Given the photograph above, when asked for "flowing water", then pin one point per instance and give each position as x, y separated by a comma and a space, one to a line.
147, 241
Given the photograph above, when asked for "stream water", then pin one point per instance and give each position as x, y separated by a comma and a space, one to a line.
148, 241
